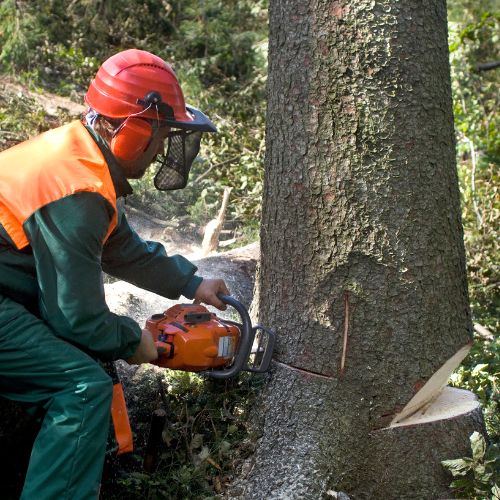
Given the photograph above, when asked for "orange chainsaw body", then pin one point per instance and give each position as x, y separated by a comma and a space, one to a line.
190, 338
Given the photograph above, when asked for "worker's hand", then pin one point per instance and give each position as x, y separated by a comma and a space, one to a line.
145, 352
207, 293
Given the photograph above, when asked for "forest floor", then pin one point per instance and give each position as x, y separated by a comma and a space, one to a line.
236, 267
51, 103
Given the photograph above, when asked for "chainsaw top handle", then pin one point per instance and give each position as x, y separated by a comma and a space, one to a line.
244, 344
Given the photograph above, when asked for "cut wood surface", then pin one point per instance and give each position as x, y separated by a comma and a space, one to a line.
449, 403
214, 227
432, 389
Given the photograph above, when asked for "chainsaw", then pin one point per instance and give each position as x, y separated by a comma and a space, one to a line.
189, 337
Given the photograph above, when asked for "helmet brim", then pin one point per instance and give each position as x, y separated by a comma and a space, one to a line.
200, 122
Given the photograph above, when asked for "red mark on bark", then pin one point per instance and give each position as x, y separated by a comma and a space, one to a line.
338, 10
418, 385
384, 420
346, 332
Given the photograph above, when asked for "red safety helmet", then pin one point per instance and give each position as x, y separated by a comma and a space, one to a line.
138, 83
137, 86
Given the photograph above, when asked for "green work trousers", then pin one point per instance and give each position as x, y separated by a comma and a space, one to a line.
75, 393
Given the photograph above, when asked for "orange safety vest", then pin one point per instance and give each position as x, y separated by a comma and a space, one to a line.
51, 166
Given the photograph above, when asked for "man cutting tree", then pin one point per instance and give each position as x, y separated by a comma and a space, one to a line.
60, 227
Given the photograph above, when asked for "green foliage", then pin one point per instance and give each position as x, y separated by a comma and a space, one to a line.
48, 40
476, 104
474, 39
480, 373
218, 49
205, 435
477, 477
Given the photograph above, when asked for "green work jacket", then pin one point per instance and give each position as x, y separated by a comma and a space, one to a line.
59, 277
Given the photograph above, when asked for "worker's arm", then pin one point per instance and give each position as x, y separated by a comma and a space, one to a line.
66, 237
146, 264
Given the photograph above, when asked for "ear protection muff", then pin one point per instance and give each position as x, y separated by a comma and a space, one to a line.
131, 138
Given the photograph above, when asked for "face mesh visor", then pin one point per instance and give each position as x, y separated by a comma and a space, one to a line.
183, 147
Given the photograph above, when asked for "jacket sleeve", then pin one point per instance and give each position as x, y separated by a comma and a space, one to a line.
145, 264
66, 238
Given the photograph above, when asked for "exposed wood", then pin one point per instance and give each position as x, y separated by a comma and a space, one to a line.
214, 227
420, 442
226, 243
483, 332
431, 390
449, 403
346, 332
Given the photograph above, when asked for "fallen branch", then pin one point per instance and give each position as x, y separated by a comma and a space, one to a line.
487, 66
226, 243
149, 217
483, 331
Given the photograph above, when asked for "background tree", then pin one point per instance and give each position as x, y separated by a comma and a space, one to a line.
362, 266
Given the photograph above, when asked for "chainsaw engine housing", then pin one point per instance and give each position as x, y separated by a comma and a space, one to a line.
190, 338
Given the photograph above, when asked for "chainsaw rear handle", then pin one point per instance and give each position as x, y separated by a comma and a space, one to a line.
244, 344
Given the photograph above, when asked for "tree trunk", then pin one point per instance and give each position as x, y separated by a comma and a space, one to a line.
362, 257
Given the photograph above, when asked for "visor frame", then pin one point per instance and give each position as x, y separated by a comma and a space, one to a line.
200, 122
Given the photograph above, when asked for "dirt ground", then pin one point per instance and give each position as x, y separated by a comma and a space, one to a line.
50, 102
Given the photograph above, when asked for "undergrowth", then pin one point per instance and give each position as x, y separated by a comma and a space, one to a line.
205, 437
474, 37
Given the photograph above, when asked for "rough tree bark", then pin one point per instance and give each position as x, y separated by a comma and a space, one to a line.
362, 257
